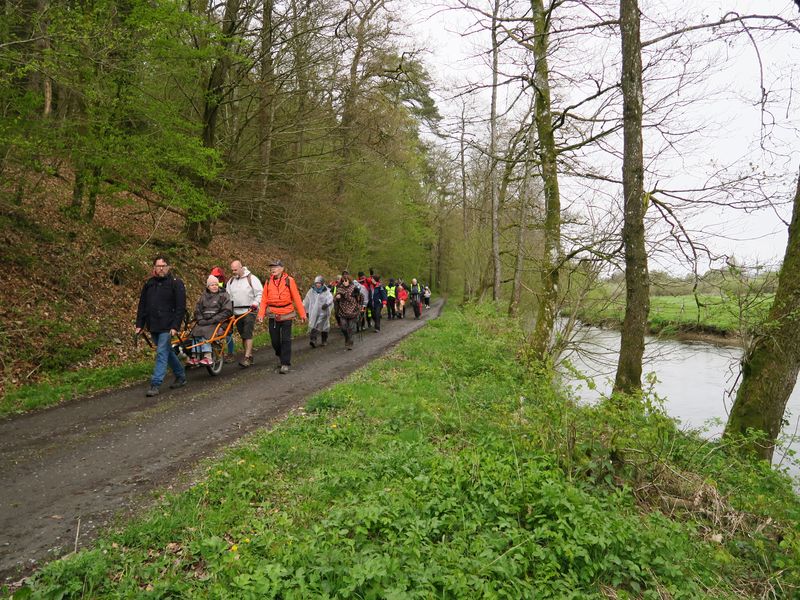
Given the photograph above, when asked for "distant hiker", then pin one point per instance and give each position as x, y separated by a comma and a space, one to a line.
212, 308
367, 284
348, 300
318, 304
364, 299
426, 296
391, 299
281, 303
220, 274
415, 293
402, 298
162, 306
245, 290
379, 299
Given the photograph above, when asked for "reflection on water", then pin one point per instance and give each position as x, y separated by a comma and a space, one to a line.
693, 379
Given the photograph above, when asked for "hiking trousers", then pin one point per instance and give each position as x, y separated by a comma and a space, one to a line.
280, 333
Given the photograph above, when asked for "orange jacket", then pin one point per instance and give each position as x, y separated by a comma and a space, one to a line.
281, 297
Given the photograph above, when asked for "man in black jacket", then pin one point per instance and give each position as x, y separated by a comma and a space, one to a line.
162, 305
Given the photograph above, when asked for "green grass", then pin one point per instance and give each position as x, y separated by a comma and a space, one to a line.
449, 470
61, 386
670, 314
65, 386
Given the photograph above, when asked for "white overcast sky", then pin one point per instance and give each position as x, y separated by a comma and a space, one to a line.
727, 105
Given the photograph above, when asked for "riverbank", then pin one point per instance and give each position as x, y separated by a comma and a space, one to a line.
713, 319
448, 469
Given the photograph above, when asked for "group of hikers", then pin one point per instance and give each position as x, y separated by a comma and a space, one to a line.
356, 303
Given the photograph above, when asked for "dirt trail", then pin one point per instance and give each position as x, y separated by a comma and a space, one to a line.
93, 459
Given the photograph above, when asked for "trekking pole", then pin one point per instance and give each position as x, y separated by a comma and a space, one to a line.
142, 334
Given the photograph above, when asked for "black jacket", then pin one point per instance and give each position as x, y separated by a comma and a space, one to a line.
162, 304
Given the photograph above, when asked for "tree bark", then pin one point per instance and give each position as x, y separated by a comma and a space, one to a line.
546, 313
266, 113
495, 200
769, 370
465, 210
200, 231
637, 287
525, 194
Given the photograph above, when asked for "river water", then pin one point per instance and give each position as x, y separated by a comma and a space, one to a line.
692, 378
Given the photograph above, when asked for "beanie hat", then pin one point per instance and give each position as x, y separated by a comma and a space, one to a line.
211, 281
218, 273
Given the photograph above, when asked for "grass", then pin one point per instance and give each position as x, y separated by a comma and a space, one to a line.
62, 386
671, 314
450, 470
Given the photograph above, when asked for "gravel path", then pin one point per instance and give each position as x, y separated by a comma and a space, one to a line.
67, 472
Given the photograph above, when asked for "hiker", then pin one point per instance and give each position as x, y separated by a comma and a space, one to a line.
415, 293
426, 296
348, 300
229, 351
379, 299
213, 307
364, 300
245, 290
162, 306
402, 298
318, 303
366, 283
281, 303
391, 299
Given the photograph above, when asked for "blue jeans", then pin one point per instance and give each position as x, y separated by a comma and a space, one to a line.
230, 344
164, 356
202, 348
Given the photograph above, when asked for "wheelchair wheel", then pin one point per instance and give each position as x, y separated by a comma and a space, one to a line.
217, 355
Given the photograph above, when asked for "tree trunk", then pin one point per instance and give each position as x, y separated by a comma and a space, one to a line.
637, 286
769, 370
215, 92
465, 210
525, 194
266, 113
495, 200
546, 314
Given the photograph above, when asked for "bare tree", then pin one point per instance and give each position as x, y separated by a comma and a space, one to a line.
769, 369
637, 287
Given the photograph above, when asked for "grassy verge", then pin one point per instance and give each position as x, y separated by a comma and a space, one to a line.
674, 314
59, 387
449, 470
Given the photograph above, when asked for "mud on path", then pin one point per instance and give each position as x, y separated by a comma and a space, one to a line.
92, 460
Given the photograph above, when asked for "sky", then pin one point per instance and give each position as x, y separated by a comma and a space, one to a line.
723, 103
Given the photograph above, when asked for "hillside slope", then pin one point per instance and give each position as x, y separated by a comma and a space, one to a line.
72, 287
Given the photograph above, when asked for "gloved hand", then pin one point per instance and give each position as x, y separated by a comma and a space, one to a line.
325, 306
254, 307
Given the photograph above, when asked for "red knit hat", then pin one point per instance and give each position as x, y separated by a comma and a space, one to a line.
218, 273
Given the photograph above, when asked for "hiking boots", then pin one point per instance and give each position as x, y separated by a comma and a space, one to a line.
178, 383
229, 358
284, 369
153, 391
247, 361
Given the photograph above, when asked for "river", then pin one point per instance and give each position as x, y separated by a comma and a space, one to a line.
693, 379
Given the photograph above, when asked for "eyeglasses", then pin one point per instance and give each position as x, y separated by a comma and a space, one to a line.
213, 284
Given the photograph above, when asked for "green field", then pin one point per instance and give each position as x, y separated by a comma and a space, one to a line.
673, 314
450, 470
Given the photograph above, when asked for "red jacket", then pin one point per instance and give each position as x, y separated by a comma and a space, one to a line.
281, 297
